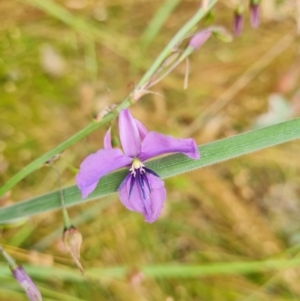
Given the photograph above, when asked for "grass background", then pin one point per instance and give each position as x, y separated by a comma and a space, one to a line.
60, 67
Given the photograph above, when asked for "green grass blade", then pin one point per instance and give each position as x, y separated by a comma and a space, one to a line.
112, 40
168, 166
157, 21
164, 271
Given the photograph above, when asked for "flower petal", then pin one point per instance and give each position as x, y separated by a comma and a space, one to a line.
150, 206
141, 128
129, 134
156, 144
96, 166
107, 139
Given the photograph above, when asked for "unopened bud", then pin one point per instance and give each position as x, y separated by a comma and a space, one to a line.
238, 23
199, 39
20, 275
254, 14
27, 284
72, 239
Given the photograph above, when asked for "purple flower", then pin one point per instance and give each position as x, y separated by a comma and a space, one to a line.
27, 284
141, 190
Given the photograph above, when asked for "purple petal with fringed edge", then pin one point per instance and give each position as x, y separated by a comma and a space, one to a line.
129, 134
96, 166
149, 206
156, 144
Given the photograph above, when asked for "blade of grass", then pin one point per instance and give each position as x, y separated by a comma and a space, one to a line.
168, 166
157, 21
34, 165
112, 40
164, 271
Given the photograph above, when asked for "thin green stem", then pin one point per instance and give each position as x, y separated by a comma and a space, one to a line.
176, 40
60, 186
11, 262
34, 165
67, 221
183, 56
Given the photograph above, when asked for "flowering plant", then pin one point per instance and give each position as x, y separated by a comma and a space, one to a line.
141, 190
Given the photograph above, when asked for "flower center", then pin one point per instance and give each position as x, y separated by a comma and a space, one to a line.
138, 172
139, 178
137, 165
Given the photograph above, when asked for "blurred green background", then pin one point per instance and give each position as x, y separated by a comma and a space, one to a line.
60, 64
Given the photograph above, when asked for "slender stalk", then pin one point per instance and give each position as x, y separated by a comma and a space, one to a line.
67, 221
185, 54
187, 72
171, 68
176, 39
11, 262
34, 165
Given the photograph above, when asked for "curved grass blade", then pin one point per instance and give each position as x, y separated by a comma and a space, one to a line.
168, 166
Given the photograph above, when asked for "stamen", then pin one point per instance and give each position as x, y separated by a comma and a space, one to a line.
138, 172
132, 171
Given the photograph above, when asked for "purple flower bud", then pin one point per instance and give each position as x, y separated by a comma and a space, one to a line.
254, 15
238, 23
199, 39
27, 284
